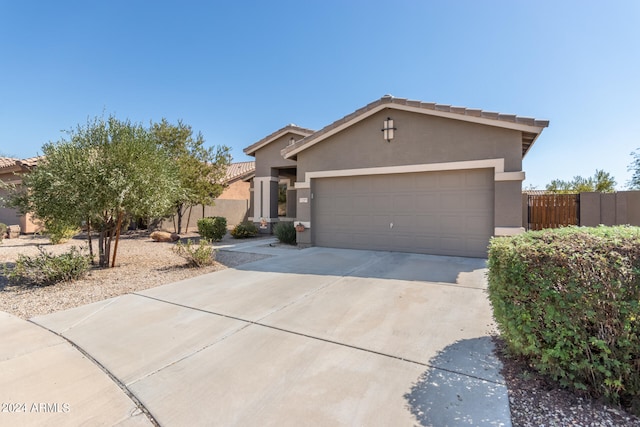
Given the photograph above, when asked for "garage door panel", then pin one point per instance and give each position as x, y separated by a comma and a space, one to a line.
479, 201
453, 201
451, 181
478, 179
448, 213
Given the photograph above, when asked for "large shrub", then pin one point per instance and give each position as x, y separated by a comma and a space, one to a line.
285, 232
196, 256
47, 269
244, 230
212, 227
568, 301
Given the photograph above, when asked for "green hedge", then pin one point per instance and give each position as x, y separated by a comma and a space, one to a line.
212, 227
568, 301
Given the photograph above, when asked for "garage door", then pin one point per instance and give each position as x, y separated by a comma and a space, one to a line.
442, 213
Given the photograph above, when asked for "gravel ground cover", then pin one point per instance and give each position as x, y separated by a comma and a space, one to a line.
143, 263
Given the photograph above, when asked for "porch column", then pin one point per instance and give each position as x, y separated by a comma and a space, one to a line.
265, 198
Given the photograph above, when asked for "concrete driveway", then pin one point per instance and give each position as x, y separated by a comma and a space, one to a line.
309, 337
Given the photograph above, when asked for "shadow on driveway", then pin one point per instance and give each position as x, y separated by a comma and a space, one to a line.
376, 264
462, 387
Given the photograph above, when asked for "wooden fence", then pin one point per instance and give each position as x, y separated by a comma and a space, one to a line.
553, 210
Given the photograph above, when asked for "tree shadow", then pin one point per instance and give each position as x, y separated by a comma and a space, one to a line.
378, 264
463, 386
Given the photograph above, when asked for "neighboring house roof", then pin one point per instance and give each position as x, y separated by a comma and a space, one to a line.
239, 171
537, 192
7, 162
290, 128
31, 162
529, 127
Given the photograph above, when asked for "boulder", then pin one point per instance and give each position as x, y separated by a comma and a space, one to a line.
164, 236
13, 231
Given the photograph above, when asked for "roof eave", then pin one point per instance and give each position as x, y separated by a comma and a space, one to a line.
527, 125
296, 130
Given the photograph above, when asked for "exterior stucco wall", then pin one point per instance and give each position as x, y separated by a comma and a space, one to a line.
269, 156
418, 139
508, 196
618, 208
238, 190
421, 139
235, 211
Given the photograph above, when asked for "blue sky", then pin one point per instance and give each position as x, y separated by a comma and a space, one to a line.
238, 70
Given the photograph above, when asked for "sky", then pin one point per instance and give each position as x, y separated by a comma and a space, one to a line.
238, 70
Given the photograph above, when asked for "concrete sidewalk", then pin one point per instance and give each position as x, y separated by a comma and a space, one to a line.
314, 337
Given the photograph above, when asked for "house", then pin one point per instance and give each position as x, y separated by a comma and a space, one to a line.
397, 175
10, 173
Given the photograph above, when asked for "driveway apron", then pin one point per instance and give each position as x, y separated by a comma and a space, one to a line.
308, 337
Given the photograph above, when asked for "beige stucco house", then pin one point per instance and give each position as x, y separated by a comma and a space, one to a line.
397, 175
10, 173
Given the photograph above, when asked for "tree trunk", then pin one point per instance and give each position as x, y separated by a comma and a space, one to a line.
101, 260
186, 230
93, 262
179, 209
115, 249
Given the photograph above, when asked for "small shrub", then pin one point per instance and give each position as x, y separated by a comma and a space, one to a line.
285, 232
568, 300
201, 255
244, 230
212, 227
3, 231
47, 269
59, 232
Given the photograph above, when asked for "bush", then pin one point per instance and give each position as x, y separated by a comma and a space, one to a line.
568, 300
196, 256
47, 269
212, 227
244, 230
3, 231
285, 232
59, 232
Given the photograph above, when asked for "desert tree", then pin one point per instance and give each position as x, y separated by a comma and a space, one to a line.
601, 182
202, 169
104, 173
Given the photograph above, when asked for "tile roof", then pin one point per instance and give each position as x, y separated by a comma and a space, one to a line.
239, 170
30, 162
290, 128
529, 126
7, 162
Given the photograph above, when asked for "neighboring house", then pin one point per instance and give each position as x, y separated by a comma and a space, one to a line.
233, 203
10, 173
397, 175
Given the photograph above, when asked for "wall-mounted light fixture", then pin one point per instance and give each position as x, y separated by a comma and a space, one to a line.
388, 131
292, 141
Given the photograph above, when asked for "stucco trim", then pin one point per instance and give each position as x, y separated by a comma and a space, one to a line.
510, 176
496, 164
508, 231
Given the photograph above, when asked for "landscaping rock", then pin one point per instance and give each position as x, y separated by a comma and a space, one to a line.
13, 232
164, 236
